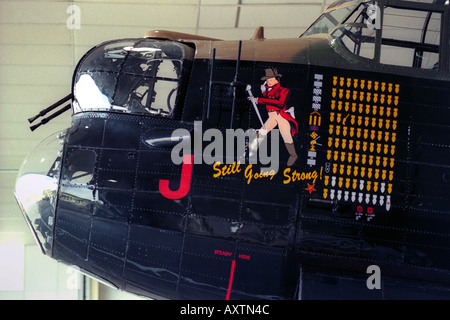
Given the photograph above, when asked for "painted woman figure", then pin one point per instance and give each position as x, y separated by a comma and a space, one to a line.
275, 98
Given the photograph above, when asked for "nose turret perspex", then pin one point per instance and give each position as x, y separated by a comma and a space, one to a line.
37, 187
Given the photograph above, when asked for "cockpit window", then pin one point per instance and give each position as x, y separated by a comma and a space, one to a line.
329, 19
357, 34
407, 34
141, 76
411, 38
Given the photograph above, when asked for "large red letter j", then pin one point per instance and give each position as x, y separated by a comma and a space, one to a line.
185, 182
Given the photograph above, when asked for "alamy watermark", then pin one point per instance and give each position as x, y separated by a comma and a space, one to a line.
373, 17
374, 280
74, 20
73, 277
235, 145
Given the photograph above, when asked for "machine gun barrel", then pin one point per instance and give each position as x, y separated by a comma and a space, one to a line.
50, 117
50, 108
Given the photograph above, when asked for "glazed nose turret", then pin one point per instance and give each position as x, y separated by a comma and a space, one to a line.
37, 187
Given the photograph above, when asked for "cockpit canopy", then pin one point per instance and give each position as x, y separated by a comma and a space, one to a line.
391, 32
139, 76
332, 17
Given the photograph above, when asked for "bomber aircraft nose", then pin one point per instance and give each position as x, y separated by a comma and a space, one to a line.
37, 186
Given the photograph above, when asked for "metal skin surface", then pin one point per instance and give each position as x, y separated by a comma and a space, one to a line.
311, 230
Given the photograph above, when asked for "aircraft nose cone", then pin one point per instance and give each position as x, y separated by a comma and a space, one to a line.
36, 188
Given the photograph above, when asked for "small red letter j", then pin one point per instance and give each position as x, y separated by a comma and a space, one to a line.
185, 182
